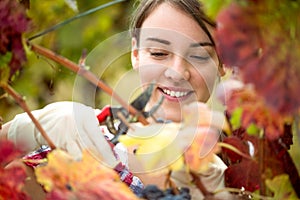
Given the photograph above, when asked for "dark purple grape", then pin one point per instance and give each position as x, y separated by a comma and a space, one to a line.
167, 197
184, 190
152, 192
177, 197
185, 196
169, 191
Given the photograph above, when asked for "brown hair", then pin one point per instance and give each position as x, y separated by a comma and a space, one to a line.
192, 7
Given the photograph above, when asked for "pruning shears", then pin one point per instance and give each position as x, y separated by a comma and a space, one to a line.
110, 115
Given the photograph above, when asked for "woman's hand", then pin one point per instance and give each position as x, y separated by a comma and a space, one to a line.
71, 126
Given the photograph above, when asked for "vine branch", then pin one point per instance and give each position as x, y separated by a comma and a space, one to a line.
89, 76
74, 18
18, 98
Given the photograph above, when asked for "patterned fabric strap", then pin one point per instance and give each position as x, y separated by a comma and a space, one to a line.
134, 183
35, 158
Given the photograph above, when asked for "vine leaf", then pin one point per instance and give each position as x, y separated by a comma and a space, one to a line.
12, 29
267, 53
12, 178
8, 152
191, 143
270, 159
157, 145
86, 179
253, 110
281, 187
241, 145
243, 175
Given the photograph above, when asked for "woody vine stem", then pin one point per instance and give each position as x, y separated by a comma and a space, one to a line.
19, 99
87, 75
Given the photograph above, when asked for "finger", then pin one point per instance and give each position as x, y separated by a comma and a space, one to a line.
90, 134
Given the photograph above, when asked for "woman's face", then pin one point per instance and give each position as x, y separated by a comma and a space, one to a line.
176, 54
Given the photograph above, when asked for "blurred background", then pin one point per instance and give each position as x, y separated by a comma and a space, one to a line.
102, 34
43, 81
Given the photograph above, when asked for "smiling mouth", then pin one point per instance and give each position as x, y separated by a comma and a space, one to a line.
174, 93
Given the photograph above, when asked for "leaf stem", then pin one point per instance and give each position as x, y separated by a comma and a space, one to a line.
239, 191
262, 167
18, 98
89, 76
234, 149
169, 183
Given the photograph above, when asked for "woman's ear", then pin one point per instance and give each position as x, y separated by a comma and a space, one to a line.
134, 54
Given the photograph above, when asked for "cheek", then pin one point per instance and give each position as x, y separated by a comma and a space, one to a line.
146, 75
149, 71
203, 83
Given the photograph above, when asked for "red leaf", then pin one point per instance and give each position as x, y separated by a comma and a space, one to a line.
11, 183
13, 23
235, 24
267, 53
8, 152
244, 174
239, 144
256, 111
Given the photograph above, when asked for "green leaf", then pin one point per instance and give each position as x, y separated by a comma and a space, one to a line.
235, 119
282, 188
4, 69
252, 130
5, 59
213, 7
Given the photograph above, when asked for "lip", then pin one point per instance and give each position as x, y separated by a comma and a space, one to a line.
174, 94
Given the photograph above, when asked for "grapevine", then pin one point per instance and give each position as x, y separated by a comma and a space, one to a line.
261, 112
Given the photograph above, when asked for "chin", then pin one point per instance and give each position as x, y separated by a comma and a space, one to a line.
174, 115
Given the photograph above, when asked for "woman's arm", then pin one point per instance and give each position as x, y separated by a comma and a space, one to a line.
71, 126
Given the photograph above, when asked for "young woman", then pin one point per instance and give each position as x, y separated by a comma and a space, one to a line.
173, 47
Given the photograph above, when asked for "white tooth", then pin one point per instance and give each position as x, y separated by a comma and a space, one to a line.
174, 93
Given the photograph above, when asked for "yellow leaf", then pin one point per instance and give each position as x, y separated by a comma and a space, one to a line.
85, 178
158, 145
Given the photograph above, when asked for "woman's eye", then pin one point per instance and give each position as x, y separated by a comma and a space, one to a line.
200, 58
158, 53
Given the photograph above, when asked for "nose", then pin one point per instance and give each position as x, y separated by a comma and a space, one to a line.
178, 69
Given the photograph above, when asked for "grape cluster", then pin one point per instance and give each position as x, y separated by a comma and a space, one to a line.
152, 192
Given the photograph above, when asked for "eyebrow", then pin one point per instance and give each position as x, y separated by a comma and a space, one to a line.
159, 40
202, 44
166, 42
